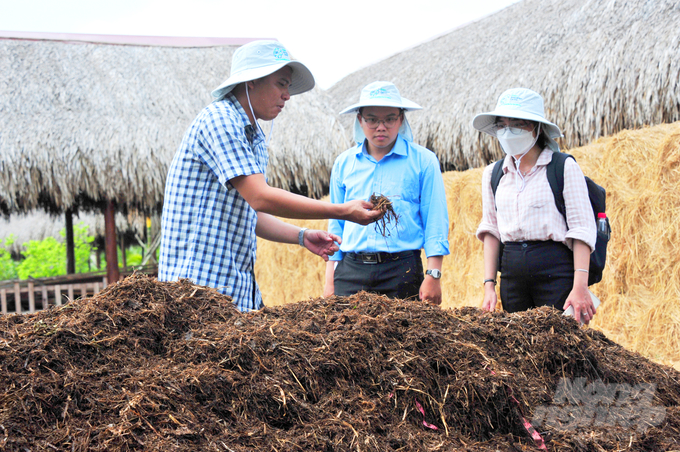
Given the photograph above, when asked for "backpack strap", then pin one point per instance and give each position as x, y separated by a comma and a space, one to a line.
555, 174
496, 175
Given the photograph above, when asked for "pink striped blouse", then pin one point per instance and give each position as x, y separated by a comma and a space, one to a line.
525, 210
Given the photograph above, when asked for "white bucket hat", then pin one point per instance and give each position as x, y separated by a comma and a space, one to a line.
520, 103
258, 59
381, 94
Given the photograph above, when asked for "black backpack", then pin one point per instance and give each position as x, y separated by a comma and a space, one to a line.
597, 194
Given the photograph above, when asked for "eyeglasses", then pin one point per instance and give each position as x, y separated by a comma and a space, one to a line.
515, 127
373, 122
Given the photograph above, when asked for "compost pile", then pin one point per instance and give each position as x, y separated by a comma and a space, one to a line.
157, 366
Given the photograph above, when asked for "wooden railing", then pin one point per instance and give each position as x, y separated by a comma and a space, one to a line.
41, 293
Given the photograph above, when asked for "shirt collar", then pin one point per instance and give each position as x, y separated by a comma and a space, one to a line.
252, 132
543, 159
399, 148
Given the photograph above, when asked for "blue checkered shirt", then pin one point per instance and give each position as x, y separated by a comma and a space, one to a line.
208, 228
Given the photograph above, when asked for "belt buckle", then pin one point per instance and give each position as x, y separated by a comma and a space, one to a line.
370, 258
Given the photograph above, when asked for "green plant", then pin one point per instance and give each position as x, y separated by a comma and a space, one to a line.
47, 257
134, 255
42, 258
8, 267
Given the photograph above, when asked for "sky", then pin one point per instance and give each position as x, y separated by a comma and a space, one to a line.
333, 38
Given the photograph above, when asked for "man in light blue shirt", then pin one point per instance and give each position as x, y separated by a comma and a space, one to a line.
387, 162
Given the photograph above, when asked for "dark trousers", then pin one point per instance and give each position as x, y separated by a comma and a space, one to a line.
536, 274
399, 275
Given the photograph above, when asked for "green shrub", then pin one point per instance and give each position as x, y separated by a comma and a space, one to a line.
8, 267
47, 257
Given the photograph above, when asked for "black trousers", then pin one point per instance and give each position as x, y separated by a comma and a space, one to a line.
536, 274
398, 275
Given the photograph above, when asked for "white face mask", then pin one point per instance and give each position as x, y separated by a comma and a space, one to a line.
516, 144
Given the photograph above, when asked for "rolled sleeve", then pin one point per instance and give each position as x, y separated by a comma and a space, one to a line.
489, 224
580, 217
434, 210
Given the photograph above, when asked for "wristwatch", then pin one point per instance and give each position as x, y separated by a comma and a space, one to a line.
301, 237
436, 274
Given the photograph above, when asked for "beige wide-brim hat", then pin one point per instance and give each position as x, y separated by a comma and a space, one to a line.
258, 59
519, 103
381, 94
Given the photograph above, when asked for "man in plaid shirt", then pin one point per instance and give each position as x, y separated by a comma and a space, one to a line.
217, 200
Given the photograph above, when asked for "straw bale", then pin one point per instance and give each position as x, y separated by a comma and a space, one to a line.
158, 366
640, 169
85, 122
602, 67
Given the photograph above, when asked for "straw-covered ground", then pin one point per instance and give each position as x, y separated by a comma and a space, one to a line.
156, 366
640, 169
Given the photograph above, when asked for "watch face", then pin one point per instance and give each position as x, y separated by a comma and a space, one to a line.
436, 274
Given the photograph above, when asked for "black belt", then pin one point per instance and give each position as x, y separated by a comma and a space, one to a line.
377, 258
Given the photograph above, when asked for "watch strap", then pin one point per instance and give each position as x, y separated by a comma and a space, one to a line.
301, 237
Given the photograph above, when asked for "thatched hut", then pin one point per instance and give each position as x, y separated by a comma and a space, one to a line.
602, 66
88, 122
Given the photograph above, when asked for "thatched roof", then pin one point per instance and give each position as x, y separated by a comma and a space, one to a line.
84, 122
602, 66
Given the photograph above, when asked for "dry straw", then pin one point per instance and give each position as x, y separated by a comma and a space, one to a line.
640, 291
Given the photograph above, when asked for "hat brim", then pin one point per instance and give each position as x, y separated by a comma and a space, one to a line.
484, 122
404, 105
302, 78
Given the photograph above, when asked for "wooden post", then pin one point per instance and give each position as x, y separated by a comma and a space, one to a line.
31, 297
17, 298
70, 252
112, 272
57, 295
98, 255
45, 301
123, 246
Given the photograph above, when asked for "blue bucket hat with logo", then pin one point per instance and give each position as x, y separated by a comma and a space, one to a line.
258, 59
520, 103
381, 94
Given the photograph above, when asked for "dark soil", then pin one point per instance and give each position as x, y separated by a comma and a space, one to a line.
153, 366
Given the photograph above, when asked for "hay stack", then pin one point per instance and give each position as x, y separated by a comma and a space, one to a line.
640, 169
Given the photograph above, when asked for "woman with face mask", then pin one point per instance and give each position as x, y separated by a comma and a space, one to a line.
545, 259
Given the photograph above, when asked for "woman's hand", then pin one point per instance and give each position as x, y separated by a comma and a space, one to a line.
580, 300
490, 297
491, 252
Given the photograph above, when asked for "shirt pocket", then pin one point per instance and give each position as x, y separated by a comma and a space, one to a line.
401, 188
538, 204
